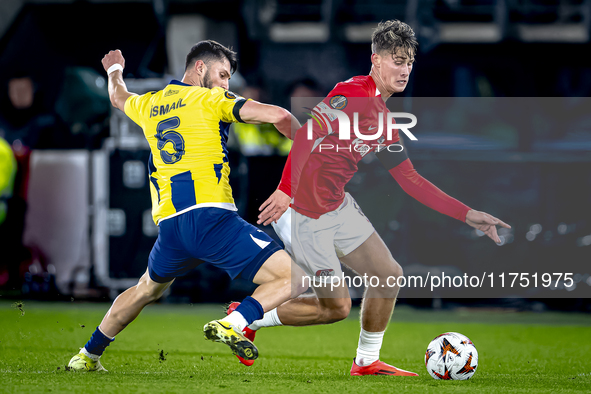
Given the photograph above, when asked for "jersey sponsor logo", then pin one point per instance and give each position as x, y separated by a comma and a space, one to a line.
328, 272
262, 244
159, 110
370, 128
338, 102
170, 92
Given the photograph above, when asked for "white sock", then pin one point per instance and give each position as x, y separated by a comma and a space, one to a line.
237, 320
270, 319
91, 356
369, 347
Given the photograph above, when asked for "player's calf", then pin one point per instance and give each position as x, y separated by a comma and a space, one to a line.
275, 280
333, 310
334, 303
124, 310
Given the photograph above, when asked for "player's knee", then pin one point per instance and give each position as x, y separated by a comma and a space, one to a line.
297, 290
276, 268
393, 270
338, 312
148, 295
153, 297
301, 288
341, 313
299, 285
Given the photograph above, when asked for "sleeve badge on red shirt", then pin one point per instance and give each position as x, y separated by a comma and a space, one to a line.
338, 102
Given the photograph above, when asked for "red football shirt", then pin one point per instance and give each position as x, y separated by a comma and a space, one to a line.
318, 168
332, 160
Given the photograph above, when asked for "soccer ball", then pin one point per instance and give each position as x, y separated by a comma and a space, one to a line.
451, 356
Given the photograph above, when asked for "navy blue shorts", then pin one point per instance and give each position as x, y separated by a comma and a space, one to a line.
214, 235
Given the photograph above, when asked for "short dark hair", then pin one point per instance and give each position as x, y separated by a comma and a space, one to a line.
392, 35
210, 50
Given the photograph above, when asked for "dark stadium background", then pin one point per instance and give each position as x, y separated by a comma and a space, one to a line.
76, 231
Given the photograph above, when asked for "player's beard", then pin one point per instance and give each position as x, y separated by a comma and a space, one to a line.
207, 80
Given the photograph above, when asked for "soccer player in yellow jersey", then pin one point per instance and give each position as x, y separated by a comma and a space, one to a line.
186, 125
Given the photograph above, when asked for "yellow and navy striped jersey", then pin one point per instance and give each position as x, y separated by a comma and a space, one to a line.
187, 129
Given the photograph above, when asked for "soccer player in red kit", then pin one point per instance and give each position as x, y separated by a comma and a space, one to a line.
327, 225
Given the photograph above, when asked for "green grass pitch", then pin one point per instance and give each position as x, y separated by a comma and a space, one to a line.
164, 351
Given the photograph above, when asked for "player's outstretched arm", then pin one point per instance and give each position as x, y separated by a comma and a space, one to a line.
117, 89
402, 170
254, 112
486, 223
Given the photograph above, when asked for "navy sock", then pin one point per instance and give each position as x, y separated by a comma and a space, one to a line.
250, 309
98, 342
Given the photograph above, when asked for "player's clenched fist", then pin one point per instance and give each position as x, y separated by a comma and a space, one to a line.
113, 57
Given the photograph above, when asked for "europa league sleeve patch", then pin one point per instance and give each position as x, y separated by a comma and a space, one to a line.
230, 96
338, 102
